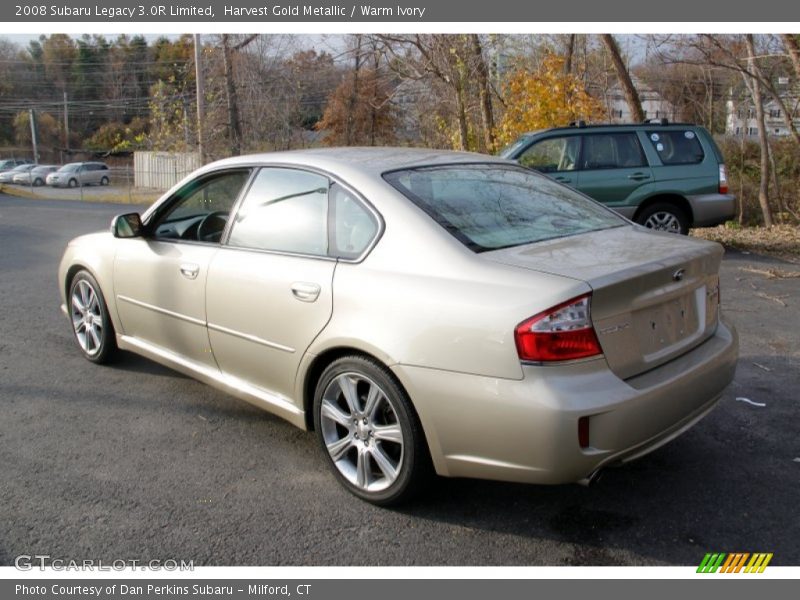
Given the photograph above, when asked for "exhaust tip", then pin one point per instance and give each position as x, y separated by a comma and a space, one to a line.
591, 479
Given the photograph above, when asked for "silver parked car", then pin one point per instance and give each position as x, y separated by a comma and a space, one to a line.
420, 310
8, 176
80, 173
35, 176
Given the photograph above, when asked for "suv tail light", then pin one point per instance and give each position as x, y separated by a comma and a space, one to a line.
723, 180
564, 332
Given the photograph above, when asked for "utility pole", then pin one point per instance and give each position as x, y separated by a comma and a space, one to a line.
66, 124
198, 76
33, 136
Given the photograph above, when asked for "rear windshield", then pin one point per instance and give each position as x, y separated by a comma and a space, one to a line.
488, 207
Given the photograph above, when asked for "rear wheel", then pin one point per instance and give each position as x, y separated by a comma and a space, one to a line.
664, 216
369, 432
38, 182
91, 324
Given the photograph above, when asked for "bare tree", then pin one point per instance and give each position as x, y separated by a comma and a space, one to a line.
485, 93
234, 123
624, 77
793, 50
754, 85
717, 51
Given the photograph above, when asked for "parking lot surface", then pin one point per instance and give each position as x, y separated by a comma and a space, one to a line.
136, 462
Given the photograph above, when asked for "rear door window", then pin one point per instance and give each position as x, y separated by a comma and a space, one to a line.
285, 210
677, 147
612, 151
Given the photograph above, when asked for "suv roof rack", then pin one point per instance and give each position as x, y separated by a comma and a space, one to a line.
584, 125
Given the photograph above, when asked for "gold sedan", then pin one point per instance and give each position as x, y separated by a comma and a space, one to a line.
423, 311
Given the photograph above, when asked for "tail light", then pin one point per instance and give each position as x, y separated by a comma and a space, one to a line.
723, 180
565, 332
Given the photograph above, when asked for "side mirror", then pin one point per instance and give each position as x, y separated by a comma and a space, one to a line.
127, 226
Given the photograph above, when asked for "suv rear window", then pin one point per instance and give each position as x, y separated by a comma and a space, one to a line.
677, 147
488, 207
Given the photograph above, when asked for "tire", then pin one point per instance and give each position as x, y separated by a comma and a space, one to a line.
91, 325
664, 216
38, 182
73, 183
104, 180
377, 452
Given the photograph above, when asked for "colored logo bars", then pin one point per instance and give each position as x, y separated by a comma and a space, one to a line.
735, 562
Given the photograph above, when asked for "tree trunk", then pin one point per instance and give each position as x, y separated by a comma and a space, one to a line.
624, 77
461, 110
755, 89
351, 101
234, 127
569, 54
484, 91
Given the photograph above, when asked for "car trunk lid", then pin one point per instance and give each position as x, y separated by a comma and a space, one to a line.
654, 296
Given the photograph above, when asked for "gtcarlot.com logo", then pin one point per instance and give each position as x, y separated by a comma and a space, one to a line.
27, 562
736, 562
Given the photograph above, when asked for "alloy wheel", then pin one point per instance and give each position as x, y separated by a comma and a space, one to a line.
87, 317
663, 221
361, 432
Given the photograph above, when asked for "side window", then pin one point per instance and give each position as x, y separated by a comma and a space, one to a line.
285, 210
677, 147
199, 211
354, 226
553, 154
612, 151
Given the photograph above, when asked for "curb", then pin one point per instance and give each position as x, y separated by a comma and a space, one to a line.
142, 198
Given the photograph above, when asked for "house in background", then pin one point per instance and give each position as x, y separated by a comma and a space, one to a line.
653, 104
740, 119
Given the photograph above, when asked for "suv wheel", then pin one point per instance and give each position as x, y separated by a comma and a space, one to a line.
664, 216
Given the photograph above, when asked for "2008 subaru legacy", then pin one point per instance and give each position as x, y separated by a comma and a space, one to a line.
420, 310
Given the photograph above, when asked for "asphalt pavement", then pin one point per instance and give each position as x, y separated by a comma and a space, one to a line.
136, 462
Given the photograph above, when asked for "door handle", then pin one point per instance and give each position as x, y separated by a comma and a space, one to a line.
562, 179
190, 270
639, 176
306, 292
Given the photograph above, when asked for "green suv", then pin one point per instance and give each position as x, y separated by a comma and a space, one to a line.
666, 176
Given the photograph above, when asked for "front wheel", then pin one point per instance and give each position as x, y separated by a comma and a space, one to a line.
104, 181
664, 216
73, 183
91, 324
369, 432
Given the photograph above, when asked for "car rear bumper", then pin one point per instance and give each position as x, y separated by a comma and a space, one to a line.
712, 209
527, 430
